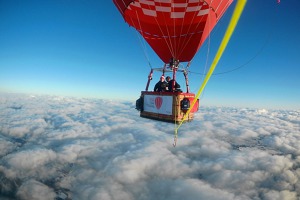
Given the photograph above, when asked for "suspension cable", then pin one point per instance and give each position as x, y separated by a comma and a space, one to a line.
142, 42
187, 39
247, 62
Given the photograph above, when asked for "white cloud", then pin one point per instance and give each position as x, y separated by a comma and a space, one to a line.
35, 190
55, 147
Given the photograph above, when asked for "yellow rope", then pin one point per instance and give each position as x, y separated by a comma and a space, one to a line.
233, 22
175, 116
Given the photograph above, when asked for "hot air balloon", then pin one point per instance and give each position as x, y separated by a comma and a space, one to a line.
175, 30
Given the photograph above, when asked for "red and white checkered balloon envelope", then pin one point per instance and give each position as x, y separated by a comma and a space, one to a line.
173, 28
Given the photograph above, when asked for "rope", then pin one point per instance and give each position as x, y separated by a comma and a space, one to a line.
242, 65
142, 42
166, 39
255, 55
187, 39
175, 121
208, 48
233, 22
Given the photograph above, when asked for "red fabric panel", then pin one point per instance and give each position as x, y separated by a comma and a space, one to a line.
173, 28
122, 5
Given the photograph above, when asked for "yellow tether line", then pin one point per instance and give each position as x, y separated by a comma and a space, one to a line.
233, 22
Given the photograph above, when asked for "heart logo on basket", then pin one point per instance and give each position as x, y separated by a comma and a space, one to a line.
158, 102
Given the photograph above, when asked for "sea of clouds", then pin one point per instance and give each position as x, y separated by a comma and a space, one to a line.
74, 148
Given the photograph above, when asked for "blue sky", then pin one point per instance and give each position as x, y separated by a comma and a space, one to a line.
85, 49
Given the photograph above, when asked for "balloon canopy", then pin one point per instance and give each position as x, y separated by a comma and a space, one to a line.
175, 29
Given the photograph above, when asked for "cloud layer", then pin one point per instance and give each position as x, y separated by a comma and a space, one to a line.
70, 148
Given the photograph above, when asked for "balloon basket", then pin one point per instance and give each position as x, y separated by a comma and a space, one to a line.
166, 106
